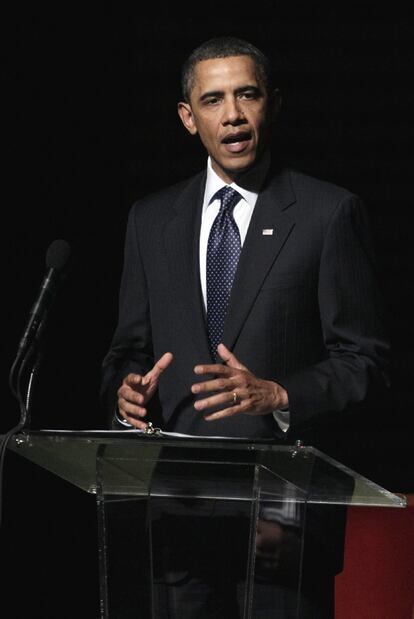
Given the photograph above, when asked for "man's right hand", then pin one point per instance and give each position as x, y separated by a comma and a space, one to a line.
137, 390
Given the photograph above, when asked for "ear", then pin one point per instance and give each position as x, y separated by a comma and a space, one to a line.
275, 104
186, 114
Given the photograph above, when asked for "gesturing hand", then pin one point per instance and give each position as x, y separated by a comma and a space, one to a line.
236, 389
137, 390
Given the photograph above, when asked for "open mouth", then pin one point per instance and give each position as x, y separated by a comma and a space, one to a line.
236, 138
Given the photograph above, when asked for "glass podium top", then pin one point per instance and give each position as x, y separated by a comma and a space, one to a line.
132, 463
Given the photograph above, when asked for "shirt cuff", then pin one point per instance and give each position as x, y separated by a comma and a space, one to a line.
282, 418
121, 420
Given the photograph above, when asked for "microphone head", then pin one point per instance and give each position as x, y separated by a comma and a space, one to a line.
57, 254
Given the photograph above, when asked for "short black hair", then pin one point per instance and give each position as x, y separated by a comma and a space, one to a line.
223, 47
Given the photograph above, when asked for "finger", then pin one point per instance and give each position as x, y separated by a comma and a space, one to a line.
136, 423
216, 384
129, 408
128, 394
159, 367
132, 380
226, 412
216, 368
227, 399
229, 359
132, 413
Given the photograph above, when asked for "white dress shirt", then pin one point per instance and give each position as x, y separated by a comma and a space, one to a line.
242, 214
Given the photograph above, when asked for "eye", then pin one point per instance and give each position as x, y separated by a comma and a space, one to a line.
212, 100
249, 94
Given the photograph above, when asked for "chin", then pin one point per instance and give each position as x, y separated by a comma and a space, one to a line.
241, 165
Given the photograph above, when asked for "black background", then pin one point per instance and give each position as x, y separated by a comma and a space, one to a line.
89, 125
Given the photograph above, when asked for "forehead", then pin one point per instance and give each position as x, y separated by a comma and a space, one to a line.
221, 74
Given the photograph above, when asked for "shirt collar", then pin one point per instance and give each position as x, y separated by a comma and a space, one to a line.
214, 183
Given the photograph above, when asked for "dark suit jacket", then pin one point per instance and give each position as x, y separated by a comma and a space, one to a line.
304, 309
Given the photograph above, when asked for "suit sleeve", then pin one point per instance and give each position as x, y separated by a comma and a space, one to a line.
131, 346
351, 314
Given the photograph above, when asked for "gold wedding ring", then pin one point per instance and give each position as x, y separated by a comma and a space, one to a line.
235, 399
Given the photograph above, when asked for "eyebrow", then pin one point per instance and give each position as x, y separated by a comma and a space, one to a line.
238, 91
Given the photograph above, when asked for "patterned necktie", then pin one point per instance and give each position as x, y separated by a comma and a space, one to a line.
223, 251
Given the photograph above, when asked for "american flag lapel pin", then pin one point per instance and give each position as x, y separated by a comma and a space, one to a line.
267, 231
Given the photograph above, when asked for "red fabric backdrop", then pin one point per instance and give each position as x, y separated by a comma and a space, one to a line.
378, 577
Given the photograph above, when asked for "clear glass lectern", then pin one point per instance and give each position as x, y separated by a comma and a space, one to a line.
169, 505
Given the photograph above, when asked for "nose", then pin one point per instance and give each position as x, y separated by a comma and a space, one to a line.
233, 113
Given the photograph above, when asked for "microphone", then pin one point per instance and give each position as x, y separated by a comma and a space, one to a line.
56, 258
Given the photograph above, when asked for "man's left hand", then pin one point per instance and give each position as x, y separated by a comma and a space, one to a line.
236, 389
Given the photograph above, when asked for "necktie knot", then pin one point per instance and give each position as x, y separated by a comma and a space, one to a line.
228, 197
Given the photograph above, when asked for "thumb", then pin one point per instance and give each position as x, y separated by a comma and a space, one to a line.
229, 359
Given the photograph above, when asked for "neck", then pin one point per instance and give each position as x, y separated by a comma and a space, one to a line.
248, 179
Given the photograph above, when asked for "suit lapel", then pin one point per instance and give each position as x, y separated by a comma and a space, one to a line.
181, 239
260, 250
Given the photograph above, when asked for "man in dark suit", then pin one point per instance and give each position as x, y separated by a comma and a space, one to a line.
302, 340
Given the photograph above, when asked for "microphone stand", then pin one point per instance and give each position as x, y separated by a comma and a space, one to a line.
23, 356
23, 396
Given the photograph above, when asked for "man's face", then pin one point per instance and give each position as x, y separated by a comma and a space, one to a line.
229, 109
